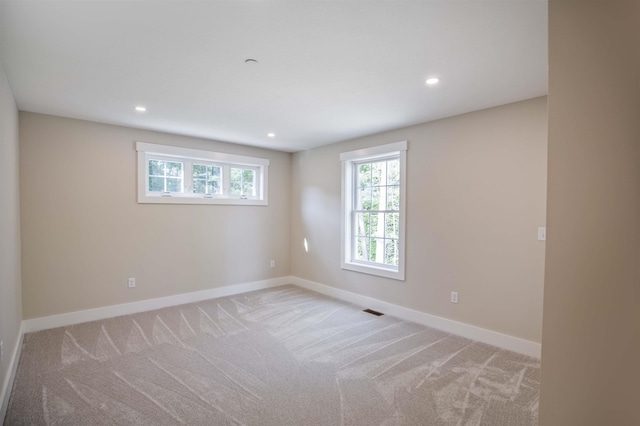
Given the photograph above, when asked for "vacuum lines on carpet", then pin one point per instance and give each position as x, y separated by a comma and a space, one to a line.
281, 356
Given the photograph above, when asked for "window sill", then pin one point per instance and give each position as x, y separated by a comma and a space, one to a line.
155, 199
374, 270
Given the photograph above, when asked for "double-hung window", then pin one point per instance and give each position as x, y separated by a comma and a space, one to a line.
174, 175
373, 210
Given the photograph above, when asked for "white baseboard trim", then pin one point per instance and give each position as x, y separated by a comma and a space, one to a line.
62, 320
494, 338
5, 393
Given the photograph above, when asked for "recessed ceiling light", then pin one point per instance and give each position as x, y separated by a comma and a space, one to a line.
271, 135
433, 80
140, 108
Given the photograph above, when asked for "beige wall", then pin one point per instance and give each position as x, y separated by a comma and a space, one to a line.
591, 339
476, 195
10, 294
84, 233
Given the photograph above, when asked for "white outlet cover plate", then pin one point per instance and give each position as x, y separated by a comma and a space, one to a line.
542, 234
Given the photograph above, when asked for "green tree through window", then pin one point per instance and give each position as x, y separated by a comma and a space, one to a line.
165, 176
243, 181
373, 210
376, 215
207, 179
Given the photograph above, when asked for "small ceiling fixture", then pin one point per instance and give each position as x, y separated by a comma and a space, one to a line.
250, 61
271, 135
140, 108
433, 80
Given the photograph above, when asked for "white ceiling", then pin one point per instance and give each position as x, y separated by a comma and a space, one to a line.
328, 70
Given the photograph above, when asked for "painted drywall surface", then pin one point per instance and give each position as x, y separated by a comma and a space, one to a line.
591, 331
476, 195
84, 233
10, 292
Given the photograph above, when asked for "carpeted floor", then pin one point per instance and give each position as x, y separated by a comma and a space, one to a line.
281, 356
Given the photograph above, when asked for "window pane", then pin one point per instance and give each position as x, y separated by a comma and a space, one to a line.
156, 168
199, 186
379, 173
393, 198
362, 249
360, 227
363, 199
378, 195
377, 225
247, 189
392, 225
235, 188
242, 182
364, 175
156, 184
235, 181
393, 172
203, 176
391, 252
236, 174
247, 175
174, 184
174, 168
214, 187
376, 251
367, 224
199, 171
364, 225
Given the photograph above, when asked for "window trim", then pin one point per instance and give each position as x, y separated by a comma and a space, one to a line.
349, 159
147, 151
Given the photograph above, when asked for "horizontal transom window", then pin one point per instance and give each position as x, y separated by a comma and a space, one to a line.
174, 175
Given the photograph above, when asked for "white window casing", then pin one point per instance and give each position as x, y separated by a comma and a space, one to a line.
242, 192
352, 242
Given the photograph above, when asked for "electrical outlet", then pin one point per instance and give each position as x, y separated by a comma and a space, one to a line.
542, 234
454, 297
273, 263
132, 282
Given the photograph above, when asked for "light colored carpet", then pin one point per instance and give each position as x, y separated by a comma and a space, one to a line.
281, 356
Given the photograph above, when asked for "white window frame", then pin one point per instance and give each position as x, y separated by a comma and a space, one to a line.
349, 161
148, 151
